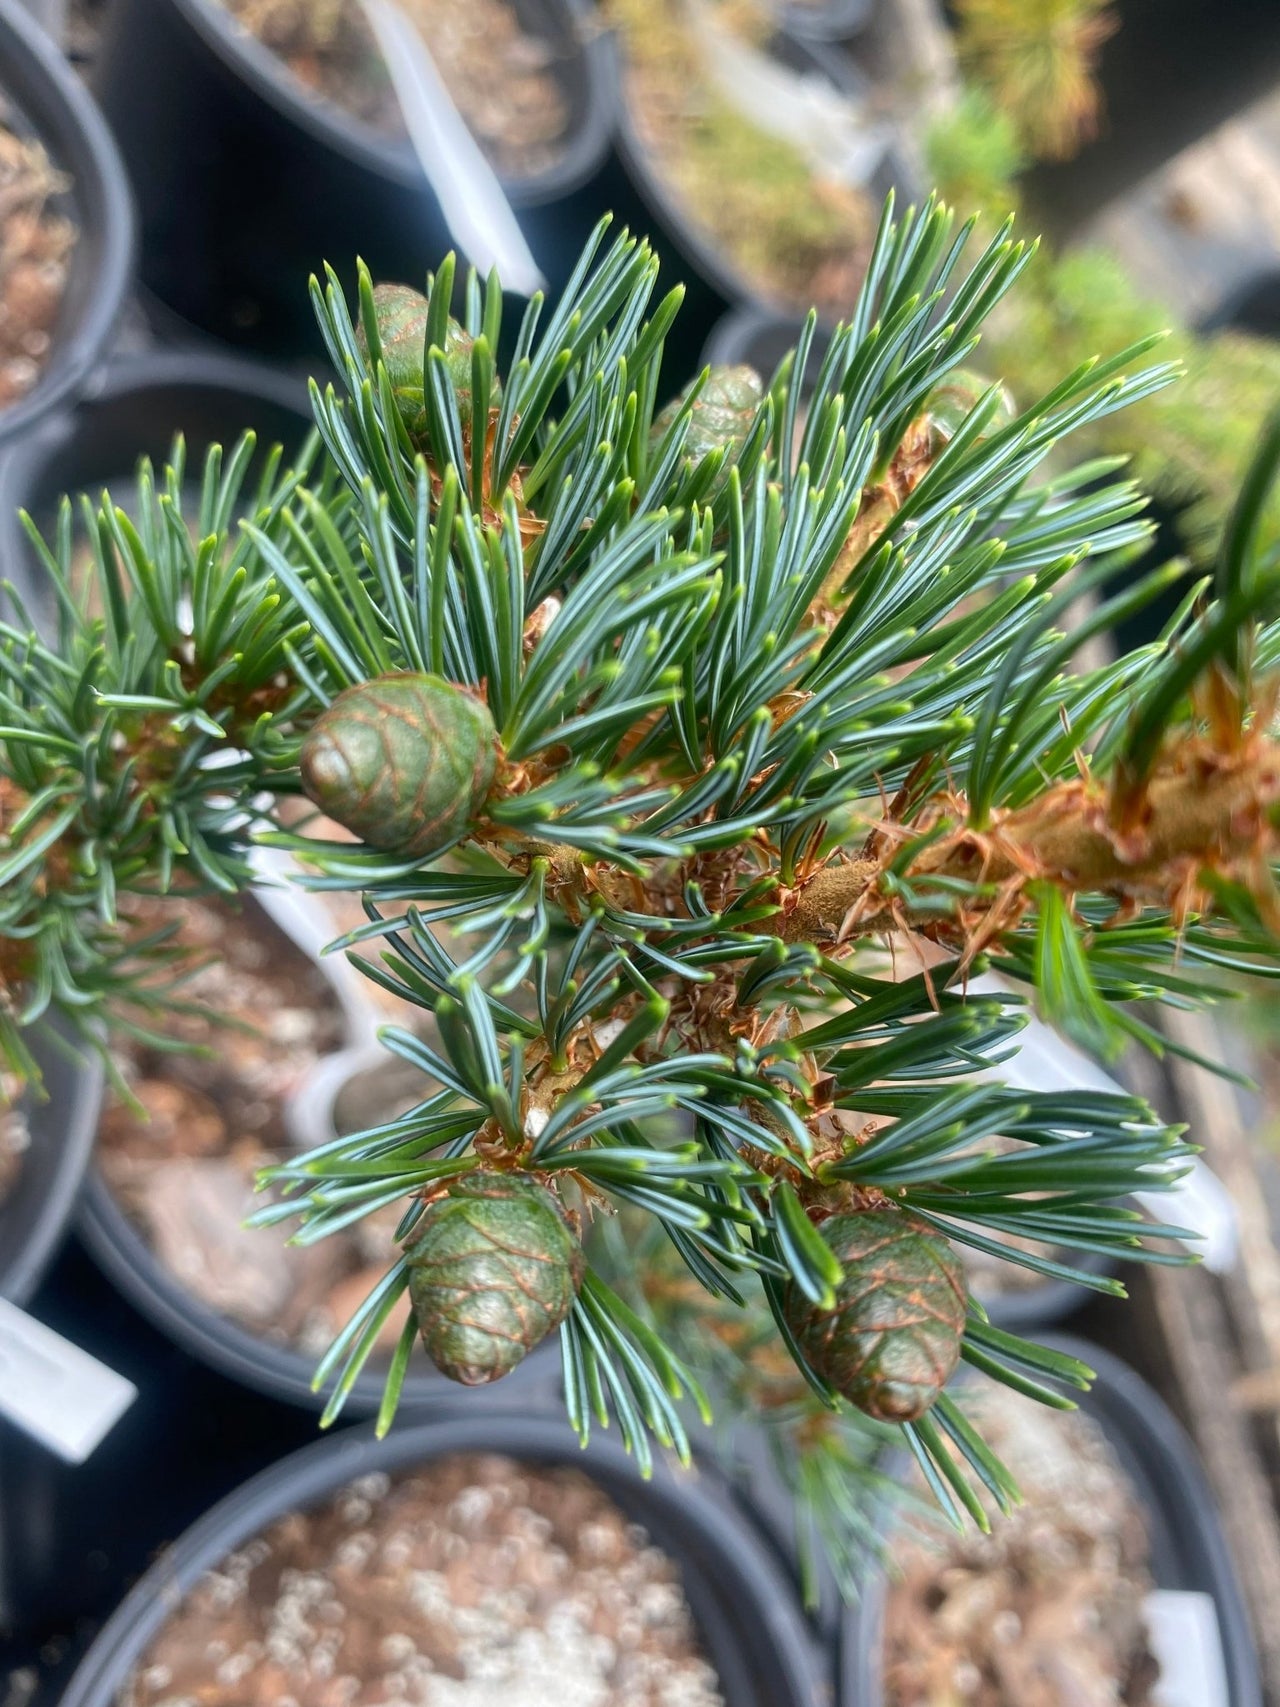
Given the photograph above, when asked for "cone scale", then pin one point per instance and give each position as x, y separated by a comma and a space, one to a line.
721, 416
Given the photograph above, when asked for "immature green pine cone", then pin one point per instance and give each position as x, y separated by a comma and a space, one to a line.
892, 1340
405, 762
402, 327
951, 402
493, 1272
722, 416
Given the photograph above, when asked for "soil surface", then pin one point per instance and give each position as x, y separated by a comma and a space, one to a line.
803, 239
183, 1166
471, 1582
35, 249
1046, 1611
502, 78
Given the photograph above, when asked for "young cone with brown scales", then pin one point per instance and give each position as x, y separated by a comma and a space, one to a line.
695, 757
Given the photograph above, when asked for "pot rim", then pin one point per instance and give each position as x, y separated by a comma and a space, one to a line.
691, 1504
26, 464
75, 1096
246, 59
160, 368
62, 114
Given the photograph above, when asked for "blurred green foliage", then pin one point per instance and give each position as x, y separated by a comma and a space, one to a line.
1036, 61
1189, 443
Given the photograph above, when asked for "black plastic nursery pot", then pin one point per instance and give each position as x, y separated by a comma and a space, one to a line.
1220, 56
62, 1122
135, 410
751, 1629
759, 337
34, 1219
1188, 1548
246, 185
1251, 306
75, 1537
825, 20
48, 100
1047, 1301
689, 254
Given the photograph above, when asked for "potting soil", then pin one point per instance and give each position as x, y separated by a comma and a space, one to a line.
501, 77
35, 249
471, 1582
1048, 1608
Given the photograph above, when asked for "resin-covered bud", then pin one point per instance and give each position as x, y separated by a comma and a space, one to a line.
405, 762
952, 401
401, 313
494, 1270
722, 415
892, 1339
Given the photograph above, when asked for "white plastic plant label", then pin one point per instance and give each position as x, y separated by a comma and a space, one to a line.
302, 916
309, 926
55, 1392
473, 202
1182, 1628
836, 133
1199, 1201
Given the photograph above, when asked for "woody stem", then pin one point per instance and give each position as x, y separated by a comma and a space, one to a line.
1201, 810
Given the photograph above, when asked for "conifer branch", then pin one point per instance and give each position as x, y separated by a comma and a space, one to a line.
673, 739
